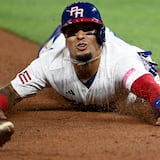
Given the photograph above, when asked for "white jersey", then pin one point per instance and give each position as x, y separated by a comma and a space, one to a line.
119, 67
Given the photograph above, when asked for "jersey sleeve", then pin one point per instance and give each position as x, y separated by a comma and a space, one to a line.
30, 80
131, 68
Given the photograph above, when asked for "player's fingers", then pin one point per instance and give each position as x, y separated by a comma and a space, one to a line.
2, 115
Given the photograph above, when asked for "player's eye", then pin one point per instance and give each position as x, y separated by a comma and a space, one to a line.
70, 34
70, 31
90, 33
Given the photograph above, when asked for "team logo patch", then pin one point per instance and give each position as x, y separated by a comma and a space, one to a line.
76, 12
24, 77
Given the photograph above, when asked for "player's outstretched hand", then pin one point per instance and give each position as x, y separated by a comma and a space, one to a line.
158, 121
6, 131
2, 115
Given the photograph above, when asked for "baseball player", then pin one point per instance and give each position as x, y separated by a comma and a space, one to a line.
93, 67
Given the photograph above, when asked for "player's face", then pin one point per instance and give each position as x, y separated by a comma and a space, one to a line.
81, 41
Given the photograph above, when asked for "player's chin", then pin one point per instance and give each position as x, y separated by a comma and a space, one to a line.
84, 57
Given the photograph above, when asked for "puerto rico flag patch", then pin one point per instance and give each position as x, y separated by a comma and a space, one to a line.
24, 77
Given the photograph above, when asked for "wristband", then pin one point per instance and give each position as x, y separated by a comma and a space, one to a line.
4, 104
157, 104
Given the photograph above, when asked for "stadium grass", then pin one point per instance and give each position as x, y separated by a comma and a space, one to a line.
136, 22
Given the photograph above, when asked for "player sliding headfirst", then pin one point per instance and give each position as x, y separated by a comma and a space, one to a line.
87, 64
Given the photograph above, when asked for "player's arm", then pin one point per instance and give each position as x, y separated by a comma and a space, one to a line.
146, 87
10, 95
8, 98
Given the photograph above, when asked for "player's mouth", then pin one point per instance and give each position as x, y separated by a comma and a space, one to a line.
81, 46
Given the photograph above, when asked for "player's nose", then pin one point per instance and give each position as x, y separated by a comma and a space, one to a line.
80, 34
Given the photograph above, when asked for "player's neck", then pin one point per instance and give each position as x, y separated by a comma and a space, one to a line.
85, 72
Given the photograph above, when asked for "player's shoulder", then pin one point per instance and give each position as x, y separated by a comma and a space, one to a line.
118, 46
113, 41
54, 59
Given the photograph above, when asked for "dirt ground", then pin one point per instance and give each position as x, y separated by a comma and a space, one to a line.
48, 128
